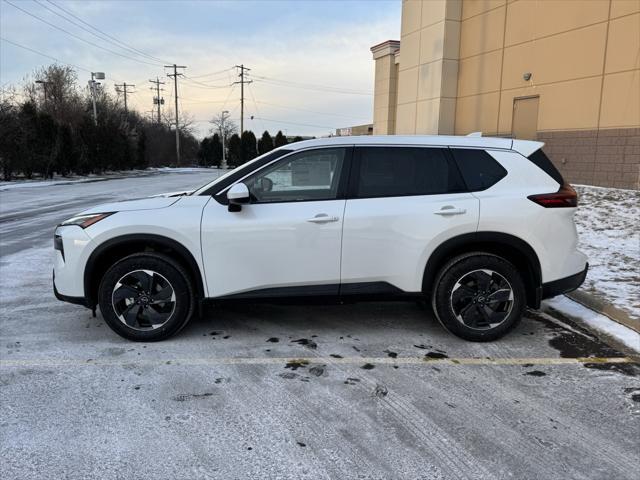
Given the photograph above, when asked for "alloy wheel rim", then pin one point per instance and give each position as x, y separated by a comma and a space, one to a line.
482, 299
143, 300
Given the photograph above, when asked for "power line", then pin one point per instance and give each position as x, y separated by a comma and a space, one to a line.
195, 101
212, 74
308, 86
228, 96
80, 38
106, 34
196, 84
306, 110
105, 37
255, 104
294, 123
45, 55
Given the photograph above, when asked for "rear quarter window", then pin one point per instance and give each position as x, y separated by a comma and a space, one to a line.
540, 160
479, 169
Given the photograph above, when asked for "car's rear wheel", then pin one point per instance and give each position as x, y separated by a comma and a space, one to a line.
479, 296
146, 297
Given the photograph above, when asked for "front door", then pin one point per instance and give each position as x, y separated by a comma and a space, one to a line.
287, 240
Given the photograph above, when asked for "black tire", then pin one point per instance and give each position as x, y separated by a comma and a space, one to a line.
478, 296
155, 298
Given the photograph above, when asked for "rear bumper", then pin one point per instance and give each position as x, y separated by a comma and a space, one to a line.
564, 285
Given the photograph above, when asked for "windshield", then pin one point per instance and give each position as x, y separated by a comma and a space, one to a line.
246, 167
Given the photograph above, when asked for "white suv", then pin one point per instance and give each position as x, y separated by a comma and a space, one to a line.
479, 227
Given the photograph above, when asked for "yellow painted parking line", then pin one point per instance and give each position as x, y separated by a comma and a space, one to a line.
54, 362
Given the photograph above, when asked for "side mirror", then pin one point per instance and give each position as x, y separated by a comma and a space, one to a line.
237, 195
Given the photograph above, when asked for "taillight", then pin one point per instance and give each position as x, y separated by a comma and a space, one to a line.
565, 197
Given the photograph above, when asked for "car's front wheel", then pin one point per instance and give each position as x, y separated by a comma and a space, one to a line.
479, 296
146, 297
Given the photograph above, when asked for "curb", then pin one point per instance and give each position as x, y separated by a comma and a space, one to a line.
605, 308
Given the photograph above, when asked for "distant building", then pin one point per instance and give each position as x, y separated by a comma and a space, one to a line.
565, 73
366, 129
298, 138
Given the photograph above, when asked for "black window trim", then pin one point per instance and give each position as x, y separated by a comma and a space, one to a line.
221, 195
352, 189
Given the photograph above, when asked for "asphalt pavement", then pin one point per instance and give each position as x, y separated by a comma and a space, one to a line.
371, 391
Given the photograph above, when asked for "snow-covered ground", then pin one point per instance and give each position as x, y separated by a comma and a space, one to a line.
608, 221
21, 183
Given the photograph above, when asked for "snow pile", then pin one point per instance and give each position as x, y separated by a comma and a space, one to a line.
596, 321
608, 222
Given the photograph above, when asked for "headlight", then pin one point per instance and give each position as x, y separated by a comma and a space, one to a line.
85, 221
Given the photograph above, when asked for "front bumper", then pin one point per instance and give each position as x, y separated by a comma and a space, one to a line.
564, 285
71, 248
65, 298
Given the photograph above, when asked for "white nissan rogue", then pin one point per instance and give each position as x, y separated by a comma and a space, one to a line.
479, 227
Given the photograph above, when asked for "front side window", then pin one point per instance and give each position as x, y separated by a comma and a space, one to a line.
402, 171
304, 176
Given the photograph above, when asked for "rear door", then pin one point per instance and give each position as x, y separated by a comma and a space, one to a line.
402, 203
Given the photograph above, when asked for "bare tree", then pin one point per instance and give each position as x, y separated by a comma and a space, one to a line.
187, 121
218, 121
53, 89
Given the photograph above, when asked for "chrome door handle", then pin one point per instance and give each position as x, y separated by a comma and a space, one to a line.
322, 218
450, 210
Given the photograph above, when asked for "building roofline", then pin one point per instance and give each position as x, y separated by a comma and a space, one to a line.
388, 47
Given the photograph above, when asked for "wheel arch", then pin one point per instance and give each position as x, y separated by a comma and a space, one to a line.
507, 246
114, 249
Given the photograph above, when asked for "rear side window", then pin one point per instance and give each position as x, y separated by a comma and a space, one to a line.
402, 171
540, 159
479, 169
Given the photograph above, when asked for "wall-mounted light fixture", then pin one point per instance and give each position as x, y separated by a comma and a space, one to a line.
526, 76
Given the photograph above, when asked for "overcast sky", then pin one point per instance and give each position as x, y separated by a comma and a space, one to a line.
292, 44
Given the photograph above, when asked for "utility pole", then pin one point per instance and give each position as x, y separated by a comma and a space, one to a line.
175, 76
92, 87
222, 132
125, 91
157, 100
242, 82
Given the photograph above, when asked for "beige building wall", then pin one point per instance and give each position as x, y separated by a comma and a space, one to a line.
385, 87
473, 65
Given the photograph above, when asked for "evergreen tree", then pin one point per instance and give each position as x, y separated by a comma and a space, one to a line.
248, 143
141, 150
297, 138
265, 144
280, 139
216, 150
234, 151
204, 152
65, 159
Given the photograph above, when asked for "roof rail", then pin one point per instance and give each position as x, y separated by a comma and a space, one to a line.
474, 134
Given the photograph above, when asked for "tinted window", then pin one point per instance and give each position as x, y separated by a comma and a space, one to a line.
540, 159
400, 171
310, 175
479, 169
